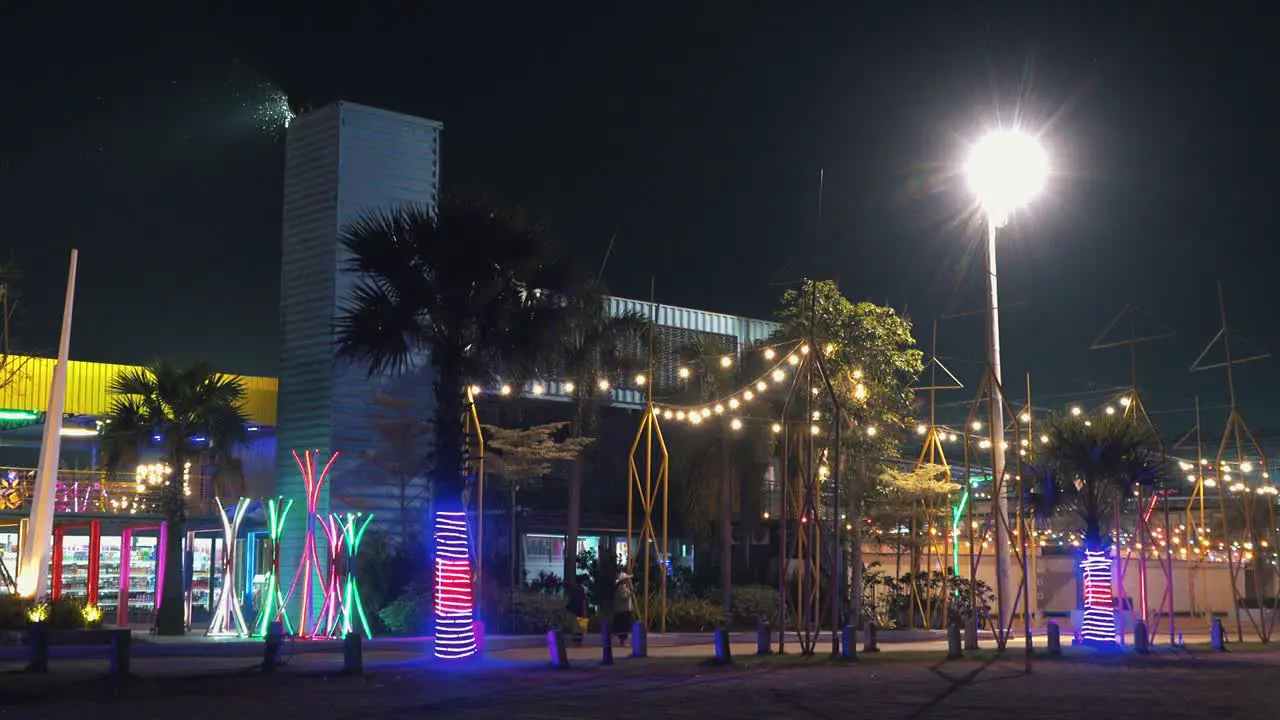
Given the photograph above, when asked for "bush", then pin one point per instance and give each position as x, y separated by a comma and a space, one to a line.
533, 613
693, 615
13, 612
410, 613
66, 614
547, 583
752, 603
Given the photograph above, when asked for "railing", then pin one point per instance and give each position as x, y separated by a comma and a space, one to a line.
99, 492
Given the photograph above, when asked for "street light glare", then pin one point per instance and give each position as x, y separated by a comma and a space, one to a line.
1006, 169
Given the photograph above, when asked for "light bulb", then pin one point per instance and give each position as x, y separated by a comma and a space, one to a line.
726, 361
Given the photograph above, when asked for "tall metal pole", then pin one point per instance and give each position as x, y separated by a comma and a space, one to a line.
1004, 589
33, 577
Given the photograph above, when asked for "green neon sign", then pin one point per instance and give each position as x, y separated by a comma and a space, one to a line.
18, 415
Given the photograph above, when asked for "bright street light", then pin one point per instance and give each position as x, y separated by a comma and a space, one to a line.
1006, 169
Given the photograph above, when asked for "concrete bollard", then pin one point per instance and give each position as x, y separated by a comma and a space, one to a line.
723, 655
1218, 635
272, 644
38, 648
556, 651
121, 654
606, 644
953, 642
1053, 635
639, 640
869, 643
1141, 643
848, 643
970, 634
764, 645
353, 654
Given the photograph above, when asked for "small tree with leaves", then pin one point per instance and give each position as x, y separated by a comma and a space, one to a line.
520, 456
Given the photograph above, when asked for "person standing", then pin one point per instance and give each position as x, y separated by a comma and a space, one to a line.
577, 607
623, 599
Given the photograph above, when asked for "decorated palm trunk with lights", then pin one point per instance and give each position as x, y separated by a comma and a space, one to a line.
455, 636
228, 620
1098, 620
310, 571
272, 606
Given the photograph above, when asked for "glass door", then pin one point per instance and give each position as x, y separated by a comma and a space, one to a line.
203, 570
142, 580
75, 567
109, 578
9, 558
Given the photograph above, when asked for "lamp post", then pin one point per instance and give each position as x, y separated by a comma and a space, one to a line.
1006, 169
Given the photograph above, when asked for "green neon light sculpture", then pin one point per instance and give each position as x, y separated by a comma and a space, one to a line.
352, 527
273, 605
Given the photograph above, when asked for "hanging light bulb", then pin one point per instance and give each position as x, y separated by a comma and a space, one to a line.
815, 429
719, 408
705, 412
1110, 410
1125, 401
804, 349
679, 414
793, 360
726, 361
748, 395
779, 375
859, 392
817, 414
667, 414
871, 430
683, 372
1076, 412
476, 389
976, 425
736, 424
769, 353
537, 388
762, 386
1025, 417
776, 427
641, 379
568, 386
921, 429
505, 390
857, 374
733, 403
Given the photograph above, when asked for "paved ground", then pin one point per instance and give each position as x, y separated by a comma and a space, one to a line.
887, 687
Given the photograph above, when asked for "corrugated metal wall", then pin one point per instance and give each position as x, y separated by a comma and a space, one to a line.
340, 161
88, 384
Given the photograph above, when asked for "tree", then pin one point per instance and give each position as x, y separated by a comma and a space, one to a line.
910, 502
870, 358
524, 455
402, 456
461, 287
712, 463
197, 414
590, 344
1088, 468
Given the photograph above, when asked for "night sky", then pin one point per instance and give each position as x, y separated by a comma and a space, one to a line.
153, 142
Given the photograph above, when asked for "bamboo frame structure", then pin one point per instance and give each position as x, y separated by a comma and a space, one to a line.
932, 453
1135, 411
987, 389
1236, 434
649, 487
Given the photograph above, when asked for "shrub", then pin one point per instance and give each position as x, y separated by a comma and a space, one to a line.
13, 612
66, 614
546, 582
752, 603
693, 615
409, 613
533, 613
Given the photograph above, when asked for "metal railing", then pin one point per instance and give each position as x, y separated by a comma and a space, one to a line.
99, 492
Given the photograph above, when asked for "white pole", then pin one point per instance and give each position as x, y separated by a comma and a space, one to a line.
1004, 581
33, 578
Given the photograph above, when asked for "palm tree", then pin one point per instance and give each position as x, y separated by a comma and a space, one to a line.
1087, 469
194, 414
460, 287
590, 344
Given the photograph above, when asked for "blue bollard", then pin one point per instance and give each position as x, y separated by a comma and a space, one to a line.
353, 654
1218, 636
38, 648
763, 644
1141, 643
1053, 634
121, 654
723, 655
556, 650
606, 644
639, 640
848, 643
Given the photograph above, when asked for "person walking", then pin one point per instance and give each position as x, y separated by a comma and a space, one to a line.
623, 599
577, 608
